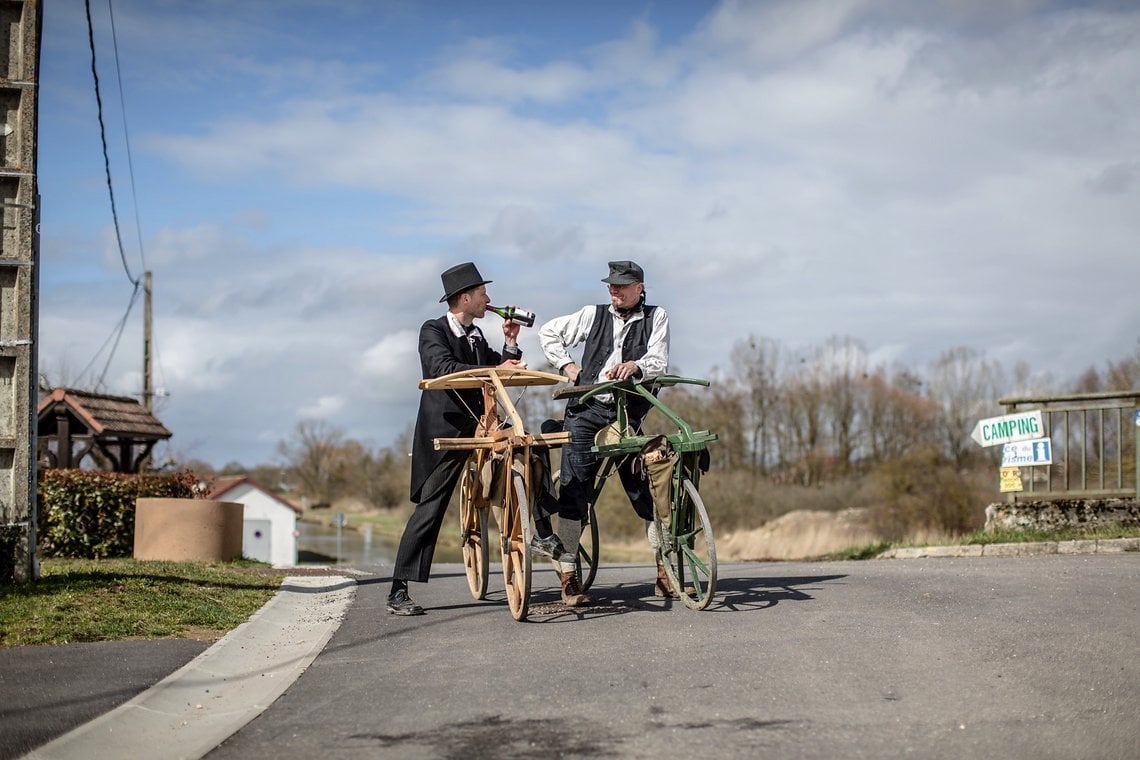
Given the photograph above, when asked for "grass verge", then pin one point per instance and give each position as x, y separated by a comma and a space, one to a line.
1001, 536
116, 599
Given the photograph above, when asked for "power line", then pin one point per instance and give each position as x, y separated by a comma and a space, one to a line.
126, 135
103, 136
115, 335
118, 335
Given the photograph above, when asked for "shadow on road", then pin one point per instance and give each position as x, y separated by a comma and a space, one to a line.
740, 594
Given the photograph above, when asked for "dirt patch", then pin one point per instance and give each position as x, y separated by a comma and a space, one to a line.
197, 633
800, 534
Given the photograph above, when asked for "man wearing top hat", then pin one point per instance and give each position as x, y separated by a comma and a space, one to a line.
623, 338
451, 343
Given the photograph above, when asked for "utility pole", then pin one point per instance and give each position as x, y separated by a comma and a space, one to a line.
19, 288
148, 377
148, 381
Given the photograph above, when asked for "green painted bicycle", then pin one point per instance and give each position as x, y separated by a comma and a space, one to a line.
685, 543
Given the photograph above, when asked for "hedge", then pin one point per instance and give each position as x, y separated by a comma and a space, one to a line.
88, 514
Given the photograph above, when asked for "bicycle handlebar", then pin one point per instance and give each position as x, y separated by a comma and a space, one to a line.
586, 392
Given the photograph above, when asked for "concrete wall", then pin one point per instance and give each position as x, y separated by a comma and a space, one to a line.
182, 530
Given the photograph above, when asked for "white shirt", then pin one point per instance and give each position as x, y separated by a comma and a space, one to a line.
563, 333
459, 331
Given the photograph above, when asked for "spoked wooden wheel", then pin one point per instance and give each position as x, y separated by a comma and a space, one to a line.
473, 528
688, 550
586, 563
516, 534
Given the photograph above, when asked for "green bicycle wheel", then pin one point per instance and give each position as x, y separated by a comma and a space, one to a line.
586, 563
687, 548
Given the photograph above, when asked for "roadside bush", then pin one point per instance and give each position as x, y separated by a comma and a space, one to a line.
86, 514
921, 492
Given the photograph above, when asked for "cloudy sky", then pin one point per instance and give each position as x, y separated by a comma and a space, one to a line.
914, 176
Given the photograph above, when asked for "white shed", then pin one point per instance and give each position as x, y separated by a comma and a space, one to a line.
270, 523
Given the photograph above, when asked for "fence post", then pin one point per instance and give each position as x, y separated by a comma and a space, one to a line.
1011, 497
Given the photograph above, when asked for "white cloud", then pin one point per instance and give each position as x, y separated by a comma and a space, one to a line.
324, 408
914, 176
391, 354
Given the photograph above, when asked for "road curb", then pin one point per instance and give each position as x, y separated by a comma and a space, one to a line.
199, 706
1029, 549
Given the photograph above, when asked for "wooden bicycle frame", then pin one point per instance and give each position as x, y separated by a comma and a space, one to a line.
503, 443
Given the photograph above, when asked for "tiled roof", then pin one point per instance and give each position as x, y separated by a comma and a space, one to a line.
220, 485
107, 416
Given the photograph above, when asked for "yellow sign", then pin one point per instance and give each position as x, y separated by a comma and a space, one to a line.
1011, 479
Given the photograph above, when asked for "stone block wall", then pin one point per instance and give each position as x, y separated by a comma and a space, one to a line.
1069, 513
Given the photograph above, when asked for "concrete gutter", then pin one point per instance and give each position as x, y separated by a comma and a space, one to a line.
199, 706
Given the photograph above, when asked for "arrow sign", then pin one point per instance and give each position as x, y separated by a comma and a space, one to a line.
1037, 451
1009, 428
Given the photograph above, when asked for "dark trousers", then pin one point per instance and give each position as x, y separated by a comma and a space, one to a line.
417, 545
580, 465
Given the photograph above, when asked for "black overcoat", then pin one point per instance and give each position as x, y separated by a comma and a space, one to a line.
445, 414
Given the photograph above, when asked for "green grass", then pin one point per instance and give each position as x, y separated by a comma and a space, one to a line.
1001, 536
1006, 536
116, 599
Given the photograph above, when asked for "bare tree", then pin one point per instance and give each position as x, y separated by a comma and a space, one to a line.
842, 367
1125, 374
965, 386
719, 408
804, 420
898, 418
315, 458
756, 366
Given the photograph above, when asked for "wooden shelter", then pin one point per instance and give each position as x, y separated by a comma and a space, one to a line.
114, 430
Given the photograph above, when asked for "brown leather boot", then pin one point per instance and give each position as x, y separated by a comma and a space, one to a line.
664, 587
572, 595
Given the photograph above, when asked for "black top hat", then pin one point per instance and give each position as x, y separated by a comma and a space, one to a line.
459, 278
624, 272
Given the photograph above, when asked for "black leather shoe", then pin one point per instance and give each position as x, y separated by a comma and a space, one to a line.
399, 603
550, 546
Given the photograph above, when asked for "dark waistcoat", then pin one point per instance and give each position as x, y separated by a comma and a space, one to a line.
600, 342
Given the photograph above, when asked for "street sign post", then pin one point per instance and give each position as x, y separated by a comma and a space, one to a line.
1008, 428
1037, 451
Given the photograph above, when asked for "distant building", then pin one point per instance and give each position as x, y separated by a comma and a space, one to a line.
270, 523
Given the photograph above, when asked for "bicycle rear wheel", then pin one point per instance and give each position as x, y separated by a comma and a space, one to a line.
688, 549
473, 528
516, 532
586, 563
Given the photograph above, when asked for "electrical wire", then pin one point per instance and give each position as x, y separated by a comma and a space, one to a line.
118, 335
103, 136
126, 135
117, 332
115, 335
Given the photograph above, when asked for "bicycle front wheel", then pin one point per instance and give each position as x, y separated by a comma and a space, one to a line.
688, 549
473, 529
516, 553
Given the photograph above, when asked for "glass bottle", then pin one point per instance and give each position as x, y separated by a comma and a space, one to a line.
515, 314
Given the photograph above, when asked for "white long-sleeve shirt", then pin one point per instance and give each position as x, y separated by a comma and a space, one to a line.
563, 333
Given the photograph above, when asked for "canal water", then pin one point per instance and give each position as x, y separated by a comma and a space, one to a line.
325, 545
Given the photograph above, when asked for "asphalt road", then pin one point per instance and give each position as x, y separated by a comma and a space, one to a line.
1027, 657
